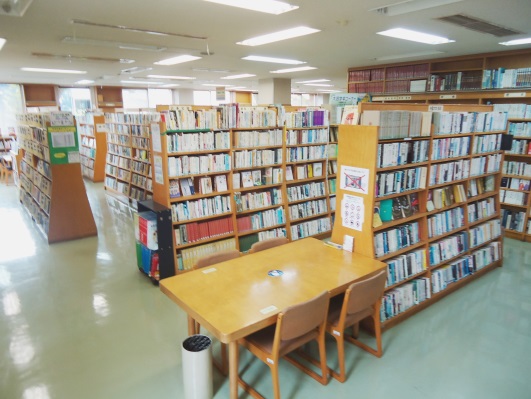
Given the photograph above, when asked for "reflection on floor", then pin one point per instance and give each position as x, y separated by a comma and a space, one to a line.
79, 321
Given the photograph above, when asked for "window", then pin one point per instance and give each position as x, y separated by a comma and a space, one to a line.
135, 98
306, 99
208, 97
75, 100
10, 104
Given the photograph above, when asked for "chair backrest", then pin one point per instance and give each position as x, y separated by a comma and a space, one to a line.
217, 258
365, 293
266, 244
300, 319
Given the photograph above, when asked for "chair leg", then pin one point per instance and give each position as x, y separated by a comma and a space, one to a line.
378, 352
341, 376
274, 377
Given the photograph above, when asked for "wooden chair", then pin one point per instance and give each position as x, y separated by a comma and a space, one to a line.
296, 326
362, 300
6, 169
205, 261
266, 244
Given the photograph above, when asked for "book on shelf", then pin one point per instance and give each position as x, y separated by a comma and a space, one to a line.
205, 185
289, 173
235, 181
317, 169
350, 115
257, 177
220, 183
187, 186
247, 179
174, 189
269, 175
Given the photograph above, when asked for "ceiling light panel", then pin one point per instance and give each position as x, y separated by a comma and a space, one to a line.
109, 43
273, 60
517, 42
84, 82
140, 82
177, 60
314, 81
243, 75
49, 70
69, 57
278, 36
298, 69
407, 6
414, 36
267, 6
171, 77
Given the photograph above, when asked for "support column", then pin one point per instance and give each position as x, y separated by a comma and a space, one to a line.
274, 91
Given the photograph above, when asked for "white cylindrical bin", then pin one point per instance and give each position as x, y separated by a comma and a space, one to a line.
197, 367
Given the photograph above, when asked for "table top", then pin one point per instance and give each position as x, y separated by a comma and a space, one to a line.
235, 298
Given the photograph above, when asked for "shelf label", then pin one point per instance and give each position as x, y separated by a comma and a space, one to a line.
209, 270
269, 309
519, 94
101, 128
447, 96
436, 108
391, 98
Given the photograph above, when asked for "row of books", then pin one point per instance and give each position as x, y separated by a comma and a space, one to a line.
481, 209
198, 231
522, 129
513, 197
140, 118
307, 118
191, 165
480, 186
307, 209
87, 161
444, 222
400, 181
515, 111
306, 171
296, 154
257, 138
392, 240
501, 78
256, 177
306, 136
366, 87
187, 257
395, 208
141, 167
199, 208
366, 74
116, 185
407, 71
520, 147
516, 168
249, 201
140, 142
487, 143
306, 191
447, 248
468, 122
405, 266
513, 220
140, 194
39, 216
443, 197
142, 181
40, 198
332, 186
332, 167
32, 119
450, 171
398, 124
43, 183
404, 297
485, 232
515, 183
310, 228
86, 141
118, 139
261, 220
119, 173
454, 81
118, 129
402, 153
257, 158
118, 150
198, 141
119, 161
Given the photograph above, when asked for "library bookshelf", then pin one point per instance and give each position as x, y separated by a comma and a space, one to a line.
51, 185
228, 183
433, 216
128, 160
93, 146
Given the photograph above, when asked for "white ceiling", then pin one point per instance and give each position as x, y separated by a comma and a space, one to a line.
347, 38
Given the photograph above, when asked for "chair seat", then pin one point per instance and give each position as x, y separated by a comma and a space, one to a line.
334, 312
264, 340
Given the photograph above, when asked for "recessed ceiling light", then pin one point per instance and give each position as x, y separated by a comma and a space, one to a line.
171, 77
278, 36
314, 81
306, 68
211, 70
177, 60
110, 43
49, 70
318, 84
272, 59
84, 82
2, 42
140, 82
407, 34
170, 85
243, 75
216, 85
267, 6
515, 42
407, 6
407, 55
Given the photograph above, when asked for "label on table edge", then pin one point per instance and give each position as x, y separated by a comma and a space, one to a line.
269, 309
210, 270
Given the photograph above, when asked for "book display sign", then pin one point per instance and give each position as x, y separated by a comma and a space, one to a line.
64, 146
354, 179
353, 212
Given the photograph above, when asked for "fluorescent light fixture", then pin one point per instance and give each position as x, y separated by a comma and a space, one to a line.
140, 82
133, 70
278, 36
272, 59
318, 85
84, 82
171, 77
243, 75
49, 70
414, 36
216, 85
237, 87
2, 42
109, 43
407, 55
407, 6
514, 42
299, 69
267, 6
211, 70
177, 60
329, 91
169, 85
314, 81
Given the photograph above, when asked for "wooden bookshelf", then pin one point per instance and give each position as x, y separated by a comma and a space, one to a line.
93, 147
51, 185
431, 247
109, 98
40, 95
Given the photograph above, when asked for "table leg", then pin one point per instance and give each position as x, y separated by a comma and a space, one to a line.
191, 326
233, 369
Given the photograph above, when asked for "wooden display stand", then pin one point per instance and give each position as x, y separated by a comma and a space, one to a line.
358, 151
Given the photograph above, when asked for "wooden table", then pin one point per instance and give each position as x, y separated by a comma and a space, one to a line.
236, 298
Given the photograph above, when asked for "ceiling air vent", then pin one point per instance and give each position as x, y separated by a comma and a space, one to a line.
478, 25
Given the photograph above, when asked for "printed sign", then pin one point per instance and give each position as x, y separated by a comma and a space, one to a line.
64, 147
353, 212
354, 179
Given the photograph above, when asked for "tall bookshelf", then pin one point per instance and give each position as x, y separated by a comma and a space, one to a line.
424, 199
93, 146
51, 185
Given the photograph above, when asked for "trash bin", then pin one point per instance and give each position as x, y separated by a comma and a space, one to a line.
197, 367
